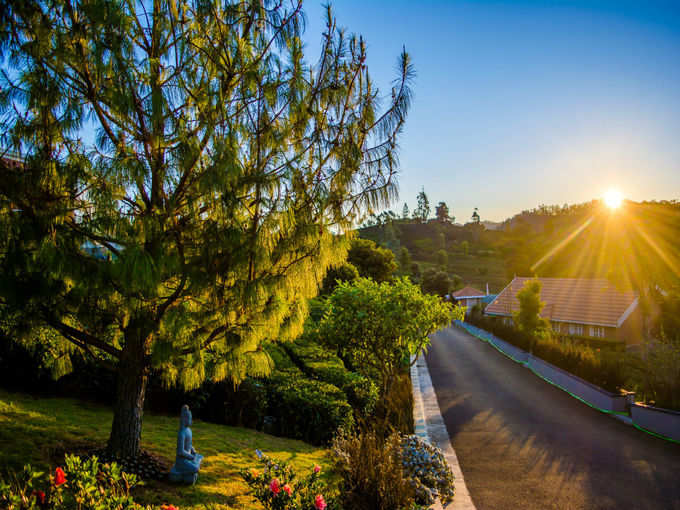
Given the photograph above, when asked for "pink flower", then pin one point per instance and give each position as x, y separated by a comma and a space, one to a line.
59, 477
288, 490
274, 486
319, 502
317, 469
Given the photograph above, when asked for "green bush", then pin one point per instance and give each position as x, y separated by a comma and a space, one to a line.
80, 484
655, 374
318, 362
307, 409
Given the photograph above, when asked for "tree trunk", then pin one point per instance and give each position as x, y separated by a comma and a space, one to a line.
126, 430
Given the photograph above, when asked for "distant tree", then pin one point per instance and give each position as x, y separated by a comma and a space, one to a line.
475, 216
372, 261
528, 318
456, 282
422, 212
442, 213
436, 282
415, 269
343, 273
405, 212
465, 245
442, 258
376, 326
405, 260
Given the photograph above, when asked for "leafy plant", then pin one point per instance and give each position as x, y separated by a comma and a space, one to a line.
277, 486
377, 326
79, 485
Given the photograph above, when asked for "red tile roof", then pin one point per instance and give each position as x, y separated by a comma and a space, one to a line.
577, 300
468, 292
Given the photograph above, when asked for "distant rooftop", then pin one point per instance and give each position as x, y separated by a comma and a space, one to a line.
577, 300
468, 292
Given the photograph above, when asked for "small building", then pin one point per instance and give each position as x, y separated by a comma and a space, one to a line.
468, 296
585, 307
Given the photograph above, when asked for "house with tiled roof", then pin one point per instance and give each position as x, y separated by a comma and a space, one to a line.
468, 296
579, 307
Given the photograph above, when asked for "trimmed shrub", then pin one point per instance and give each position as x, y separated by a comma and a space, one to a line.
307, 409
318, 362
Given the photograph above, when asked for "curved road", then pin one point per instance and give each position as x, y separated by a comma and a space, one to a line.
524, 444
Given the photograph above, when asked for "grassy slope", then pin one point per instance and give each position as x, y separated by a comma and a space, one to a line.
38, 431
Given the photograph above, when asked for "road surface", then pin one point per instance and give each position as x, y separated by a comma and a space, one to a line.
524, 444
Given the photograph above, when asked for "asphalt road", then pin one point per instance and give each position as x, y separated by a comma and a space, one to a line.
524, 444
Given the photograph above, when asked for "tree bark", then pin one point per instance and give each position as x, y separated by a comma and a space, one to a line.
126, 430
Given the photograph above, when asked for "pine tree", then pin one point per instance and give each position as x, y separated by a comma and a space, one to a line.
422, 212
442, 212
208, 206
405, 212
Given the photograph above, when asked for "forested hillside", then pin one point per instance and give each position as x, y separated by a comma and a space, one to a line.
635, 245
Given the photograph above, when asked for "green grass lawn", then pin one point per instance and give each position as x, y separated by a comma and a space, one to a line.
40, 430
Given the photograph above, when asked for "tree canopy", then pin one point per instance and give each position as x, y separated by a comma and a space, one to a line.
371, 260
528, 318
211, 199
442, 213
377, 326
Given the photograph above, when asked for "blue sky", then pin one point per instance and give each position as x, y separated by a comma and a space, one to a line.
523, 103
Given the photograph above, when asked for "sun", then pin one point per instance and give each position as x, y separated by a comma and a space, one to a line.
613, 198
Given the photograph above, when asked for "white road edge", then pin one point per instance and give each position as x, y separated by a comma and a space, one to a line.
429, 425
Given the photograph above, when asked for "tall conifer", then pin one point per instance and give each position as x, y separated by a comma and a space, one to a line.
186, 175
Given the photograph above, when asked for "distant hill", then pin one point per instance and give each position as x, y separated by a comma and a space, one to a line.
634, 246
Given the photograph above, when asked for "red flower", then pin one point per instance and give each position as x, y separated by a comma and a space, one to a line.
288, 490
274, 486
319, 502
169, 507
317, 469
59, 477
40, 496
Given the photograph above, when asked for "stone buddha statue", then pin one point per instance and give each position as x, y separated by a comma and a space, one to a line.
187, 462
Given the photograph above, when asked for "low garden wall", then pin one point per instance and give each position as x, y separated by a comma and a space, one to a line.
583, 390
661, 422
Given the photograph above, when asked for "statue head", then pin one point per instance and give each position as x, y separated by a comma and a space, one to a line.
185, 417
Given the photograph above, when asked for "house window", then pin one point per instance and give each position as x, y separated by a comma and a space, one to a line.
597, 331
575, 329
556, 327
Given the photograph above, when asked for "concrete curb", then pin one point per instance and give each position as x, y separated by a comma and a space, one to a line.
430, 426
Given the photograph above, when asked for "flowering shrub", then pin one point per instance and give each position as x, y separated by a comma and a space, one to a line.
277, 487
79, 484
427, 469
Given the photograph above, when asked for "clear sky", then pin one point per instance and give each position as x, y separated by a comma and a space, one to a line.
527, 102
